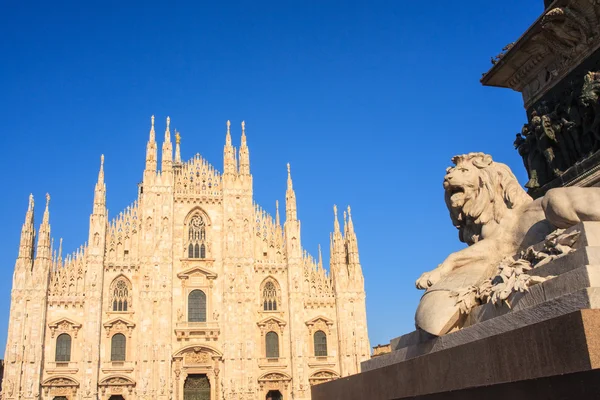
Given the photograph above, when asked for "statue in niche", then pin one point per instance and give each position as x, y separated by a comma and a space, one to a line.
497, 219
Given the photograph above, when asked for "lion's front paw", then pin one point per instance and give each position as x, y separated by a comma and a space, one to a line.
428, 279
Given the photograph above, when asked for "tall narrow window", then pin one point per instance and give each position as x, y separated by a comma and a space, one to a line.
269, 296
121, 294
272, 345
197, 306
197, 238
63, 348
117, 347
320, 340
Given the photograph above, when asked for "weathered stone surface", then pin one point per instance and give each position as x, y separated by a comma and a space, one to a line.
582, 299
193, 277
568, 344
498, 221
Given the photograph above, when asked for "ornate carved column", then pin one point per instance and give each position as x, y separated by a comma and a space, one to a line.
216, 371
177, 376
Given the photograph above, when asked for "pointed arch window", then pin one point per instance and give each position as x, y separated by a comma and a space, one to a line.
272, 345
117, 347
320, 341
269, 297
197, 237
197, 306
121, 295
63, 348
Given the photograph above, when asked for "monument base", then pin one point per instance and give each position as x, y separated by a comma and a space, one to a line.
558, 358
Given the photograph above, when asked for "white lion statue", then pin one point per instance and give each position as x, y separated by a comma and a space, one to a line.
497, 219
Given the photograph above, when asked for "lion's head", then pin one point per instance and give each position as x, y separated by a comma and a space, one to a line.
479, 191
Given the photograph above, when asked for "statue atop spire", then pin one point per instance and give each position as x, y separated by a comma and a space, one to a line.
177, 148
101, 172
228, 135
350, 224
277, 223
244, 153
151, 151
167, 150
336, 224
43, 245
27, 233
290, 198
229, 157
152, 133
100, 191
46, 211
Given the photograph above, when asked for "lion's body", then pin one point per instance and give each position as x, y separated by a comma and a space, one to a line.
497, 219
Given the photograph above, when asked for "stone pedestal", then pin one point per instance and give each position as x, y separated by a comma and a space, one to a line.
555, 359
546, 345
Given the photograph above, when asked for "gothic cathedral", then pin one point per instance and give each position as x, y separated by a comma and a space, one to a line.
193, 292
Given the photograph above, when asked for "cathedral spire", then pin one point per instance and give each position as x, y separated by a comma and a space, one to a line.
277, 223
338, 252
320, 258
151, 149
229, 162
177, 149
336, 224
100, 191
290, 199
27, 233
43, 245
167, 150
228, 135
244, 153
350, 224
351, 242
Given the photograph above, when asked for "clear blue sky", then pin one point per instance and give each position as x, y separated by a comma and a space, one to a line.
367, 100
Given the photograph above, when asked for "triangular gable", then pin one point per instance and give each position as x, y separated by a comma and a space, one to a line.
316, 319
191, 271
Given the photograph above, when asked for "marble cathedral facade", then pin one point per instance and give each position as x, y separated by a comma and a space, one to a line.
192, 292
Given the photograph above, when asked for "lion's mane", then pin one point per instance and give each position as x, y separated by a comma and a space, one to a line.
496, 192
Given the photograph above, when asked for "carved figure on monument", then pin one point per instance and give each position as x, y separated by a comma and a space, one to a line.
565, 135
589, 98
566, 32
497, 219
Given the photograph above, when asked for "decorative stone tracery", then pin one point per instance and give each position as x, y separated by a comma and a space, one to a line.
119, 325
274, 381
322, 376
60, 386
64, 325
116, 384
319, 323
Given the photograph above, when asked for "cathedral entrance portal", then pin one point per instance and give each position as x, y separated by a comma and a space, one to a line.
274, 395
196, 387
117, 397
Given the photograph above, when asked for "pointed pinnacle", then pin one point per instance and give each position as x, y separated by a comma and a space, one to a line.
30, 207
152, 133
320, 257
336, 224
